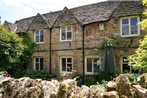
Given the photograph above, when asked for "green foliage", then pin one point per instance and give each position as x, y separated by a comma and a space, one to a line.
139, 59
28, 49
144, 22
88, 81
11, 48
102, 83
16, 71
132, 77
35, 74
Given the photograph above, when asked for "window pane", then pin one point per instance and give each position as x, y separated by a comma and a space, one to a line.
125, 60
36, 60
125, 21
69, 67
69, 60
68, 35
96, 68
41, 36
134, 26
126, 68
134, 29
95, 60
37, 66
134, 21
89, 64
68, 28
37, 36
63, 36
63, 64
63, 30
41, 63
125, 29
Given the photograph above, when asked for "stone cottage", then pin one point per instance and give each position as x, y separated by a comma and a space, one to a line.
72, 39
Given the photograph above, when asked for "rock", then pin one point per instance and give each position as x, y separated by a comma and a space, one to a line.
111, 86
123, 86
67, 88
142, 79
22, 88
96, 91
5, 79
49, 88
111, 94
84, 92
141, 92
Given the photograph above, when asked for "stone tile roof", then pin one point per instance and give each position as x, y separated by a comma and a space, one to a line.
22, 25
95, 12
52, 16
91, 13
12, 27
127, 8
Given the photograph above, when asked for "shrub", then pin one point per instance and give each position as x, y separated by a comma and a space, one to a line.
88, 81
35, 74
132, 77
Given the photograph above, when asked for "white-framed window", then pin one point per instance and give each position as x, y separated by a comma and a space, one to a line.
66, 64
101, 26
39, 36
66, 33
38, 63
125, 67
93, 64
129, 26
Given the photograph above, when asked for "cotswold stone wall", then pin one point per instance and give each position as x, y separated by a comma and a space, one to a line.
29, 88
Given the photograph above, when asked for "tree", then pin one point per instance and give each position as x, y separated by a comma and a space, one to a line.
139, 59
11, 48
28, 50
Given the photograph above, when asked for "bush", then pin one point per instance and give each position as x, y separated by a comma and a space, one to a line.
132, 77
88, 81
35, 74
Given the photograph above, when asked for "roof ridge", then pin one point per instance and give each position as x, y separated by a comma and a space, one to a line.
65, 7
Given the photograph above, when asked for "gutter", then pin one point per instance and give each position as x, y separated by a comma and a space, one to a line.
83, 50
50, 51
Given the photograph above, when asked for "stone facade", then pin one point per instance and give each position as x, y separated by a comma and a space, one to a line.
87, 36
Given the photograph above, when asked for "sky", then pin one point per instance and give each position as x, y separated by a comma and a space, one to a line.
12, 10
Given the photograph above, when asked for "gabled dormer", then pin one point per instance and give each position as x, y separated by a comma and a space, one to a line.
66, 18
65, 21
38, 28
39, 22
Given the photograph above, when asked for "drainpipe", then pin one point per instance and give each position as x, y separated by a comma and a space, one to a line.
50, 51
83, 51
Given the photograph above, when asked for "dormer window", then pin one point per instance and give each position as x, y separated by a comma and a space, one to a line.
39, 37
129, 26
66, 33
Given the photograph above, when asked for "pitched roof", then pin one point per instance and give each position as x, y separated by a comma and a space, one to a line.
22, 25
90, 13
38, 17
95, 12
127, 8
12, 27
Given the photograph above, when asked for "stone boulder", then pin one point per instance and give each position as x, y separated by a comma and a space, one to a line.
96, 91
111, 86
111, 94
141, 92
21, 88
124, 86
142, 79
